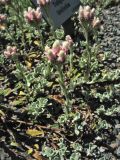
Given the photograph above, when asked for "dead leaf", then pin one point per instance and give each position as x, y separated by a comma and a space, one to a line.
2, 114
35, 132
30, 151
37, 43
14, 144
57, 98
37, 155
36, 146
28, 64
2, 26
21, 93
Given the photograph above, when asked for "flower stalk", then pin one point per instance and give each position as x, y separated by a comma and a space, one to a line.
57, 55
89, 22
41, 38
71, 60
88, 55
11, 52
64, 89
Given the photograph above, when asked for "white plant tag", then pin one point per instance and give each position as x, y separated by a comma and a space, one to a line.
58, 11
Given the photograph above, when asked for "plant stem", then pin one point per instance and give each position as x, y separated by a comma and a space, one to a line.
20, 22
47, 75
41, 38
53, 32
63, 88
71, 59
88, 52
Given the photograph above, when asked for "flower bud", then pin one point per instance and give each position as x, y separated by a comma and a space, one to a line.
5, 2
86, 13
65, 46
56, 44
37, 15
61, 56
32, 15
43, 2
47, 48
28, 15
50, 55
10, 51
56, 47
69, 39
87, 8
81, 13
96, 22
14, 49
92, 13
2, 18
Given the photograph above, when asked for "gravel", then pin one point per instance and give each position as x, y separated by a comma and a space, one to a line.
109, 35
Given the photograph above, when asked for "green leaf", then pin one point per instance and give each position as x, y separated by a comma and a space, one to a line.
7, 92
2, 78
2, 114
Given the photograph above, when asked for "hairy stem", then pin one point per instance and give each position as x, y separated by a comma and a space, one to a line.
64, 89
85, 29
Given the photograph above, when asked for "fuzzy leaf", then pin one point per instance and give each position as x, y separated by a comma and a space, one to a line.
7, 91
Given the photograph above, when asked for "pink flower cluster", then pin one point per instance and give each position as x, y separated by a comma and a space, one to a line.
32, 15
5, 1
59, 50
86, 14
43, 2
2, 18
10, 51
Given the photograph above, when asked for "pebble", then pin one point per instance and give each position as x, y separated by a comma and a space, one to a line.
109, 37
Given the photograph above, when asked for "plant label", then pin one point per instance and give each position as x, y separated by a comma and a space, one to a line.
58, 11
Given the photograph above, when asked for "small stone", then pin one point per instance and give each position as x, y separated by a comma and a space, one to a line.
117, 126
102, 149
118, 151
114, 145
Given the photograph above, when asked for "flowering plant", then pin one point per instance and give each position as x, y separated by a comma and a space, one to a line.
58, 95
5, 2
57, 56
87, 15
32, 15
10, 51
59, 50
